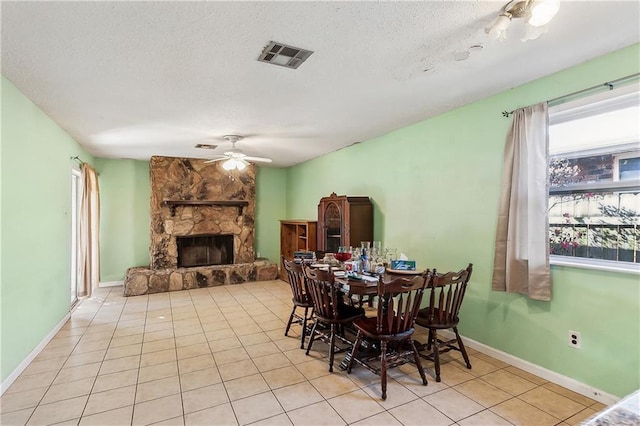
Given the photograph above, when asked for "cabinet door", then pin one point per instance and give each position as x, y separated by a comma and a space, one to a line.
332, 226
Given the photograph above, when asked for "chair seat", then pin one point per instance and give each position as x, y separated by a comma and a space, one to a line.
424, 319
368, 327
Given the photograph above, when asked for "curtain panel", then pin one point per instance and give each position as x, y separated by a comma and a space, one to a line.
521, 262
89, 232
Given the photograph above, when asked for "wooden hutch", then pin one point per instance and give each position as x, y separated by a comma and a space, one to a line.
344, 221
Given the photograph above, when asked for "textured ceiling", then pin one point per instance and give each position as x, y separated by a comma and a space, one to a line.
135, 79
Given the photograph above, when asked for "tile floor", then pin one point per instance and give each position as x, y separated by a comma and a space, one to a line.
219, 356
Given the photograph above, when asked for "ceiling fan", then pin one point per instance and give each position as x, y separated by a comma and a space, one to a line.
235, 158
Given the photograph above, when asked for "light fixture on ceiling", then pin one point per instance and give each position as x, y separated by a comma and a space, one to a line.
536, 14
234, 163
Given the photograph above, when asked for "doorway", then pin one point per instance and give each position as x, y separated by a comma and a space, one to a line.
76, 197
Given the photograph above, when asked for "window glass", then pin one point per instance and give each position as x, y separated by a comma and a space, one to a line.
594, 179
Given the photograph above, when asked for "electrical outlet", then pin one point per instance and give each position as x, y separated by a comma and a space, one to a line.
575, 339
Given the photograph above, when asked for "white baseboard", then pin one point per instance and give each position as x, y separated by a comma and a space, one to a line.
34, 353
110, 283
552, 376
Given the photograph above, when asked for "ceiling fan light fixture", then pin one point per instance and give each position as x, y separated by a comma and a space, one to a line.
234, 163
542, 12
536, 13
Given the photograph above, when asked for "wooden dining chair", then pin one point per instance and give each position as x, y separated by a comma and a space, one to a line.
301, 298
445, 292
398, 305
330, 310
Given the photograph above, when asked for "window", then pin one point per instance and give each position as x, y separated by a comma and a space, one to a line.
594, 179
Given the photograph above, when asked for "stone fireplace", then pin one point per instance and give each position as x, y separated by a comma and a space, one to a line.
202, 228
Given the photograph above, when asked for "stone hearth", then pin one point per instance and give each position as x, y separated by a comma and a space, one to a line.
192, 198
142, 280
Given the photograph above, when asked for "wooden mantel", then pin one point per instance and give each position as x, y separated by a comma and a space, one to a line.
172, 204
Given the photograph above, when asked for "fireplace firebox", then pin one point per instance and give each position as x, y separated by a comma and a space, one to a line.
203, 250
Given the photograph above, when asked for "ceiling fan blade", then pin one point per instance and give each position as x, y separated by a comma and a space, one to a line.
258, 159
215, 159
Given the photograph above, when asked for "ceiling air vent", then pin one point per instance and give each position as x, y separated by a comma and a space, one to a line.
284, 55
206, 146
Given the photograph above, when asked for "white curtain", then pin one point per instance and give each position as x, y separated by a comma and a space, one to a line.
521, 263
89, 232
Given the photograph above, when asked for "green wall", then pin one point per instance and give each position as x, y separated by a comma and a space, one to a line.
36, 226
125, 190
271, 201
435, 186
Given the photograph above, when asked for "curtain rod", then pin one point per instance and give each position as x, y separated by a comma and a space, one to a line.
76, 158
609, 85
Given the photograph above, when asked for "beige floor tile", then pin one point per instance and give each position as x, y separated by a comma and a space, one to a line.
188, 331
246, 329
415, 413
452, 375
382, 419
237, 370
215, 325
20, 400
298, 395
191, 339
334, 384
157, 335
158, 357
508, 382
246, 386
157, 410
224, 344
157, 389
56, 352
58, 411
220, 415
396, 394
115, 380
193, 350
90, 346
254, 339
580, 399
288, 343
453, 404
479, 367
598, 406
519, 412
363, 377
321, 412
45, 365
128, 331
491, 360
126, 340
16, 418
219, 335
273, 325
257, 407
231, 355
552, 403
199, 378
315, 368
356, 405
159, 371
110, 400
196, 363
482, 392
123, 351
484, 418
176, 421
120, 364
581, 416
526, 375
76, 373
282, 377
119, 416
164, 326
271, 362
158, 345
32, 381
68, 390
202, 398
262, 349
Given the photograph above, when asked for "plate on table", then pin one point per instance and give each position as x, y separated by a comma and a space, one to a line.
404, 271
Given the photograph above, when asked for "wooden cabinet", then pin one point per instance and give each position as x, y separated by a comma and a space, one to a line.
344, 221
296, 235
